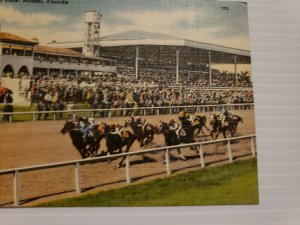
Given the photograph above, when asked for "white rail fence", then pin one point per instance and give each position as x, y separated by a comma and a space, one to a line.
76, 163
130, 111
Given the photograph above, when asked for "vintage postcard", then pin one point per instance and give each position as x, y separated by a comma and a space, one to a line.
126, 103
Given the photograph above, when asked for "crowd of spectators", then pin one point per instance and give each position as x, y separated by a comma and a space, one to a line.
119, 92
186, 78
68, 59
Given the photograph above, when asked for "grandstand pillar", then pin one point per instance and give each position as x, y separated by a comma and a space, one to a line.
177, 66
209, 67
136, 62
235, 70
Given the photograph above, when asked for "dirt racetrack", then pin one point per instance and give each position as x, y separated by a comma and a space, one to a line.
34, 143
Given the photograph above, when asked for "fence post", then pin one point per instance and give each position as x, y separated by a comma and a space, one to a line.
201, 156
33, 117
93, 115
54, 116
157, 112
10, 118
128, 180
144, 112
168, 162
252, 146
74, 115
229, 151
77, 178
16, 187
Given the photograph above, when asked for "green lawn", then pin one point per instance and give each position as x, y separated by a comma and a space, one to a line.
28, 117
234, 183
24, 117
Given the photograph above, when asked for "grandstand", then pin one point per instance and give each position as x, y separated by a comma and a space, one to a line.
134, 67
22, 57
148, 50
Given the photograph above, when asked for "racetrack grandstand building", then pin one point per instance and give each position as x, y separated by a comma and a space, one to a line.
141, 49
22, 57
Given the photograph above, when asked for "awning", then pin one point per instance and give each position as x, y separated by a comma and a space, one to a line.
17, 47
5, 46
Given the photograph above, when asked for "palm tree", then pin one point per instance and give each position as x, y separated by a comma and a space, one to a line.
224, 73
244, 76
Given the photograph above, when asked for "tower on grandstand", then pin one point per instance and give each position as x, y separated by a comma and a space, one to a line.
91, 43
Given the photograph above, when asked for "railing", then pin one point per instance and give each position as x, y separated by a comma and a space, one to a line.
77, 163
127, 111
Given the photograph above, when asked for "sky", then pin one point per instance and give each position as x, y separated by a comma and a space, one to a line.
199, 20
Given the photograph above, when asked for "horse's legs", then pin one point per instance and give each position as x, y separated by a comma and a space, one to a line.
217, 135
149, 138
96, 148
128, 146
202, 131
224, 133
206, 127
212, 135
235, 127
82, 152
180, 154
109, 152
141, 140
199, 129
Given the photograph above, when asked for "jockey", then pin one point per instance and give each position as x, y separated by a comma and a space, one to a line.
221, 117
141, 122
115, 129
181, 115
173, 125
185, 115
225, 114
86, 124
189, 117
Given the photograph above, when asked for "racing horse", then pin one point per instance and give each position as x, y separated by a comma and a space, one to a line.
86, 147
187, 120
234, 121
116, 141
171, 137
199, 122
144, 134
230, 125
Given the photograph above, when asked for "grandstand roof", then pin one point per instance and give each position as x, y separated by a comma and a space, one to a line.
138, 34
151, 44
55, 50
7, 37
135, 37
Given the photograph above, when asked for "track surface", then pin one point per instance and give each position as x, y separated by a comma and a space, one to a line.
33, 143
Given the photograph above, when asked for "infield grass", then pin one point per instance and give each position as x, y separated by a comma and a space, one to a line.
229, 184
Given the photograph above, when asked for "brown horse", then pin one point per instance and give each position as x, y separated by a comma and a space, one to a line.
144, 134
86, 147
116, 141
171, 138
230, 125
199, 122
